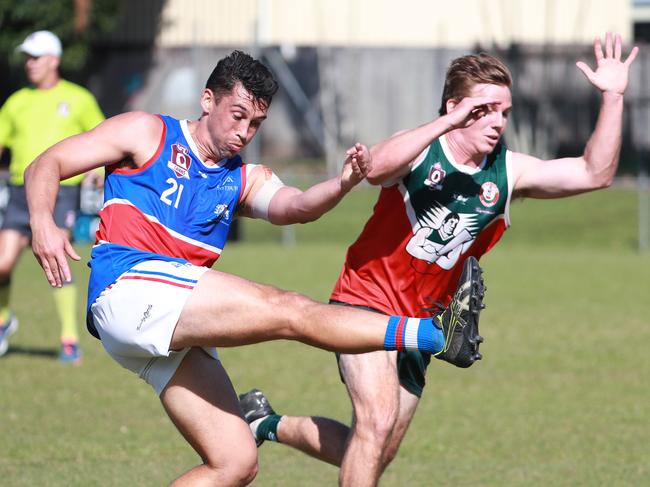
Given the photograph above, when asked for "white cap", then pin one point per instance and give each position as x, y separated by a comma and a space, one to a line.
40, 43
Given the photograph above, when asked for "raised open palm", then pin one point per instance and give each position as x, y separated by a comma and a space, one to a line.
611, 73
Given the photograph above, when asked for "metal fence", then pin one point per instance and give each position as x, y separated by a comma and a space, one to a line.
331, 97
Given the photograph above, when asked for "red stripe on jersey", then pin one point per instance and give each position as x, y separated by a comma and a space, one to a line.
124, 224
129, 170
379, 273
399, 340
243, 183
164, 281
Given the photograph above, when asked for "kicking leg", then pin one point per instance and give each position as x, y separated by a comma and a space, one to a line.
202, 403
226, 310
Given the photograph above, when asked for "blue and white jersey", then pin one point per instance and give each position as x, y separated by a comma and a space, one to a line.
173, 208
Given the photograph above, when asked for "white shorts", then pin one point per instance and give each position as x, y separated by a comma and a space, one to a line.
136, 317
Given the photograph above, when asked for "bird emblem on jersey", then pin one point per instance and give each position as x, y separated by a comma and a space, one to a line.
440, 236
180, 161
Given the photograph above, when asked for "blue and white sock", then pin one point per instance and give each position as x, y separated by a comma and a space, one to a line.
403, 333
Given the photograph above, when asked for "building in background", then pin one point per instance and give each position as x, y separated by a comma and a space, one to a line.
363, 69
386, 23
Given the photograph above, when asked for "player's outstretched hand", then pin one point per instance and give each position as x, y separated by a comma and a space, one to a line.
470, 109
611, 73
358, 163
51, 247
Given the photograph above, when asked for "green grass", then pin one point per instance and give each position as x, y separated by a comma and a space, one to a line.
561, 398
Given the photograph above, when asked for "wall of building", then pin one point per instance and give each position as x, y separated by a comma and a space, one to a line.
368, 69
381, 23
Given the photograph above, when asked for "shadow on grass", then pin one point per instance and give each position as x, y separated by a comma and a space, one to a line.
34, 351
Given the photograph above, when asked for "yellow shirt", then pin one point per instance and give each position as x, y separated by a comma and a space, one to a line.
33, 120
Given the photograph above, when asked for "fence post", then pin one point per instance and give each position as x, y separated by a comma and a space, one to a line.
644, 212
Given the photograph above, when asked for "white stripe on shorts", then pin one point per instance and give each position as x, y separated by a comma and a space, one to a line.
136, 317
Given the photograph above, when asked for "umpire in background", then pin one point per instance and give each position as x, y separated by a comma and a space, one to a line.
31, 120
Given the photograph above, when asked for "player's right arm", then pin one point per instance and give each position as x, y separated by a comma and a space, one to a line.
394, 157
131, 137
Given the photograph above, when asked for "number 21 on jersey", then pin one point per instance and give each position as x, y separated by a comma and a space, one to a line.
172, 195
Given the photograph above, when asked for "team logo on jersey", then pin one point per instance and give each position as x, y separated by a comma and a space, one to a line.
228, 184
221, 211
436, 176
489, 194
442, 235
181, 161
63, 109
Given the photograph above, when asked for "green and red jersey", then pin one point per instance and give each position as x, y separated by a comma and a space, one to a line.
423, 227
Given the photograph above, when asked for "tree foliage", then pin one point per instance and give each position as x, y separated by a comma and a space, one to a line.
18, 18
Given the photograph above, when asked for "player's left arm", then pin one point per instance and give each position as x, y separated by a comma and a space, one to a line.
597, 166
266, 197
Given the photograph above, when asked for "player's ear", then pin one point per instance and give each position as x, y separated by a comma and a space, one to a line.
207, 100
451, 104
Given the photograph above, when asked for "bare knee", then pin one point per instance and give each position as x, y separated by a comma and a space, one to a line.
377, 431
245, 471
7, 264
240, 469
292, 309
242, 466
6, 267
240, 474
376, 423
12, 245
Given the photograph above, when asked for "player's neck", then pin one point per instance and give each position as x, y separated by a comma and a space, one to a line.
198, 132
461, 151
49, 82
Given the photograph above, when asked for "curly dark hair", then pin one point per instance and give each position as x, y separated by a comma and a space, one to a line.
252, 74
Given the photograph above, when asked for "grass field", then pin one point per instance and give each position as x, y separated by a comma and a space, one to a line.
562, 397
